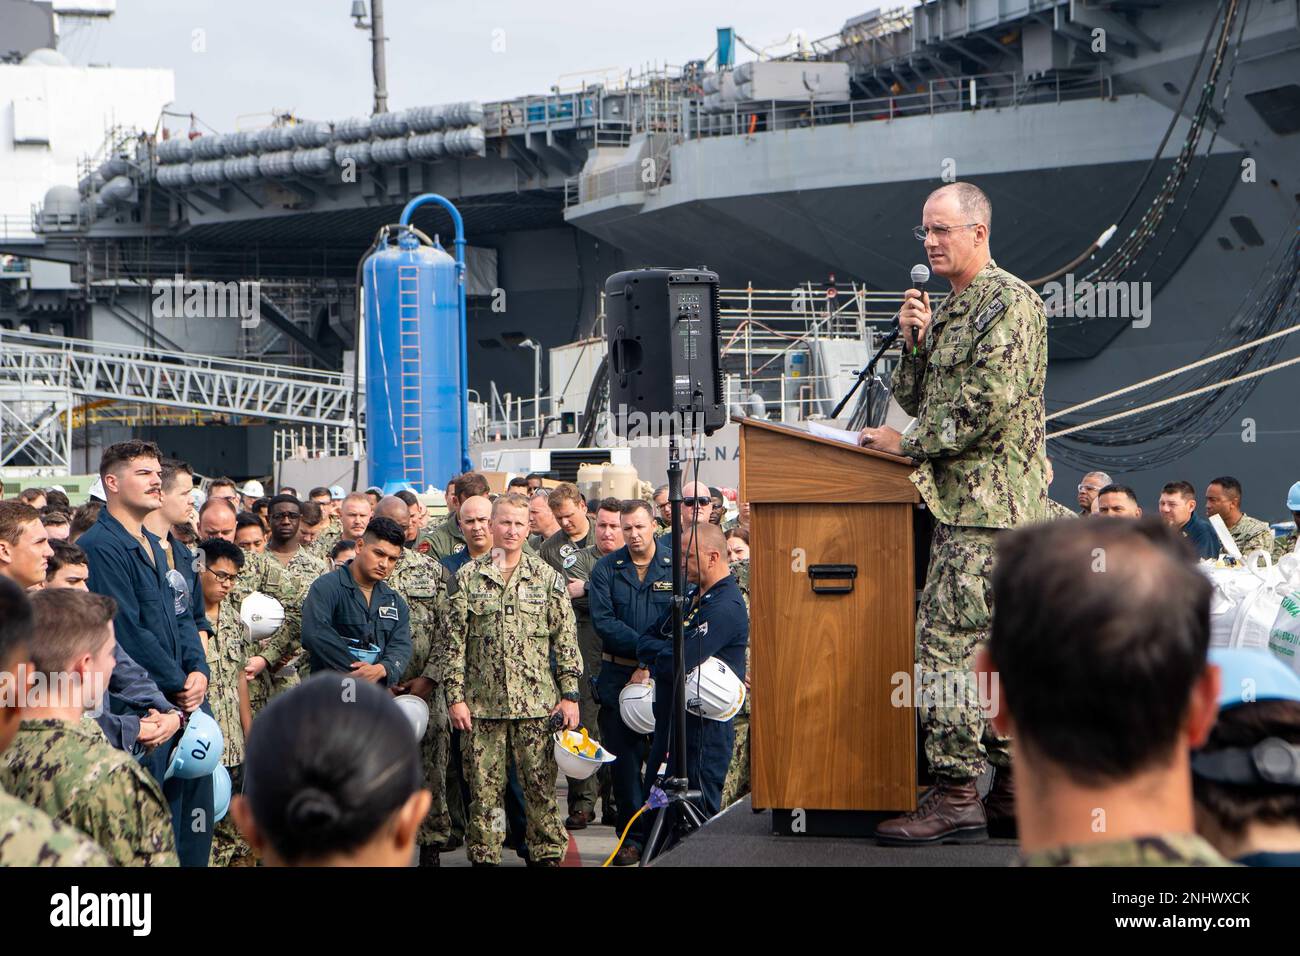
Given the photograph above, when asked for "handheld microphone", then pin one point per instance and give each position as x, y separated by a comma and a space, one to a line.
920, 276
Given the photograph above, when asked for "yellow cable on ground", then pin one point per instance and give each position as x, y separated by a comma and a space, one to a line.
624, 836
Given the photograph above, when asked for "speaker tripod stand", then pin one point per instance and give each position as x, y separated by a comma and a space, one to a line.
677, 815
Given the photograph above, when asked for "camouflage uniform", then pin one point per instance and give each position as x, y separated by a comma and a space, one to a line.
976, 390
1057, 510
502, 639
1251, 534
577, 567
1284, 545
423, 583
320, 548
737, 783
447, 539
288, 584
29, 838
1173, 849
70, 771
229, 848
228, 649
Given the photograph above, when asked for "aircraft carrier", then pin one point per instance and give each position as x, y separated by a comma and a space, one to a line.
1146, 147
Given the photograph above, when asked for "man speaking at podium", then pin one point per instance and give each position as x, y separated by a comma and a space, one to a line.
972, 374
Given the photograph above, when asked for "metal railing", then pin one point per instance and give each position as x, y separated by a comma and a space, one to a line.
17, 226
638, 174
313, 441
763, 321
785, 398
615, 110
532, 113
175, 379
759, 329
985, 91
675, 119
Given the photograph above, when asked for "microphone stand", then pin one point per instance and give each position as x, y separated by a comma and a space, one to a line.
678, 815
870, 368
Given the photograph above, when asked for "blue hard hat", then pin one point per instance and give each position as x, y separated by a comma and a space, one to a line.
1251, 675
199, 751
1293, 497
366, 655
337, 493
221, 789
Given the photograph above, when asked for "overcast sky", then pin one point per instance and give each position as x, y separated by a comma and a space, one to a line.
306, 56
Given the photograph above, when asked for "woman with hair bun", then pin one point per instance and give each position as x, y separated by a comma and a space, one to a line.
332, 777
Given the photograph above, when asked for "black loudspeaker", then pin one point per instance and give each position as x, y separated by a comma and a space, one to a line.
663, 330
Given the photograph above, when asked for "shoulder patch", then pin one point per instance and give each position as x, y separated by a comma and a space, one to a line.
991, 312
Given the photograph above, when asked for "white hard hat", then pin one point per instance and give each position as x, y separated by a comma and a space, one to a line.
252, 489
416, 711
262, 615
197, 497
97, 490
578, 755
714, 691
636, 705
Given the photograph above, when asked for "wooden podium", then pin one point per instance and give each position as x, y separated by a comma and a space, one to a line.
832, 592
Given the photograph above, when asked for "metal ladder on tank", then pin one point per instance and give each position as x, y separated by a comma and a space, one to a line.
408, 338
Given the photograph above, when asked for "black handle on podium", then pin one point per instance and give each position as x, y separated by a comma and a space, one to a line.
820, 574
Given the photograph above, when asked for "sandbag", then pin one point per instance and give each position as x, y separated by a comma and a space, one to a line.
1246, 601
1284, 636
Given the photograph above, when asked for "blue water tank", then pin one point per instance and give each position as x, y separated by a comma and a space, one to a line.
413, 367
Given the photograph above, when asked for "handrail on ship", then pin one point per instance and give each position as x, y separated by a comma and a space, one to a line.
975, 92
946, 95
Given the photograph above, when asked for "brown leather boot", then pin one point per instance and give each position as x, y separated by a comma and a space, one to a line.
1000, 804
950, 812
578, 820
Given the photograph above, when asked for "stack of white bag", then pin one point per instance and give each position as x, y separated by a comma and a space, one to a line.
1284, 637
1256, 605
1248, 598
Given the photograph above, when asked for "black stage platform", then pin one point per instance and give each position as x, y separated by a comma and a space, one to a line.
740, 837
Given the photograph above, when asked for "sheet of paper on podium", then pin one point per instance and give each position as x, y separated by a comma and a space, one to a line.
833, 433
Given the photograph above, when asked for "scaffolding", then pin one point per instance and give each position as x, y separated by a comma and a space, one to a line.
760, 330
45, 380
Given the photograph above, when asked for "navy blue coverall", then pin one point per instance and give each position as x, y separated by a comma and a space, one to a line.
162, 638
623, 608
716, 625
